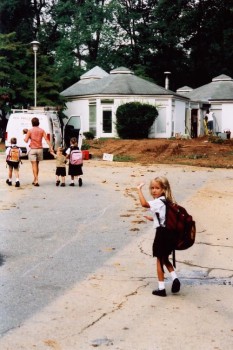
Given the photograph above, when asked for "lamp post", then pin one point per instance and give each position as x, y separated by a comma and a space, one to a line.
35, 46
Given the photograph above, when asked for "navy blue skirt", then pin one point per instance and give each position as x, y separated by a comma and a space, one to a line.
163, 244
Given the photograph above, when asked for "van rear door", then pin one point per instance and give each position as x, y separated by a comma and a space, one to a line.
72, 129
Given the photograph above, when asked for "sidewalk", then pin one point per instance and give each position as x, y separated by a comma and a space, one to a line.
114, 308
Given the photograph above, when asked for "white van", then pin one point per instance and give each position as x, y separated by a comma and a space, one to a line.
20, 119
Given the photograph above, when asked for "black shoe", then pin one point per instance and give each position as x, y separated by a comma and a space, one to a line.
80, 182
9, 183
175, 286
17, 184
72, 184
57, 183
63, 184
160, 292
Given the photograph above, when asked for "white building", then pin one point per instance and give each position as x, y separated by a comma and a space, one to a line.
216, 97
97, 95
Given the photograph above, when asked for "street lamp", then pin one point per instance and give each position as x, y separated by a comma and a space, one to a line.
35, 46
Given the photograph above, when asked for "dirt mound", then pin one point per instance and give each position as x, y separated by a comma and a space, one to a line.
197, 152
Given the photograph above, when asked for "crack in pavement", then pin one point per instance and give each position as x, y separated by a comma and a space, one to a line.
115, 309
208, 270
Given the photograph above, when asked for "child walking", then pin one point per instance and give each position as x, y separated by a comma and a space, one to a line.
60, 166
13, 154
75, 161
160, 190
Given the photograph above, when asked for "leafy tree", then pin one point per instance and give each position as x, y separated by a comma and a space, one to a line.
191, 39
12, 77
17, 76
208, 25
134, 119
24, 17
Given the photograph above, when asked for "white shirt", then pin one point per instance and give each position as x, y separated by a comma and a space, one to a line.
210, 117
159, 207
27, 148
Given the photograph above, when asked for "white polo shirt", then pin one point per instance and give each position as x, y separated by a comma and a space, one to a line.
158, 206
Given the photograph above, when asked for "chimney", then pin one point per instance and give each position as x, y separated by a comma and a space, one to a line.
167, 80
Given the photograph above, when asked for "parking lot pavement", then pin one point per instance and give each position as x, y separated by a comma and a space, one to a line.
112, 306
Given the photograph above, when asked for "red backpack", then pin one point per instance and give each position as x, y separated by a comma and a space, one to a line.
182, 224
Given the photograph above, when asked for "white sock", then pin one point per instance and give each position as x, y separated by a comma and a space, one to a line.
173, 275
161, 285
17, 179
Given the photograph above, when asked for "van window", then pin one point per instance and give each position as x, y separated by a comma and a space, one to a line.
75, 122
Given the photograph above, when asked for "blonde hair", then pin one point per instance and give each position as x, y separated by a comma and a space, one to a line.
165, 185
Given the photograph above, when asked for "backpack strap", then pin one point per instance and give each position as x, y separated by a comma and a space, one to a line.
174, 258
9, 154
157, 214
173, 252
158, 217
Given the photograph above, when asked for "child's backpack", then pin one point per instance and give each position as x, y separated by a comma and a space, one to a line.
76, 157
182, 224
14, 154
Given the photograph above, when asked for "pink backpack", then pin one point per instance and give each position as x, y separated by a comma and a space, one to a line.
76, 157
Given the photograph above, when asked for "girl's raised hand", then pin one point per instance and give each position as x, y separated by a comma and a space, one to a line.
150, 218
140, 185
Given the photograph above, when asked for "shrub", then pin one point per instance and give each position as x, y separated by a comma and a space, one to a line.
88, 135
85, 146
216, 139
134, 119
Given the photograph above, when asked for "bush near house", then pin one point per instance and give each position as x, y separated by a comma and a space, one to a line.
89, 135
134, 119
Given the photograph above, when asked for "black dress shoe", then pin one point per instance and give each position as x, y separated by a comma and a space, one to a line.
176, 286
160, 292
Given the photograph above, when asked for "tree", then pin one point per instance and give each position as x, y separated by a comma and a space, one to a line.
17, 76
208, 25
190, 38
13, 65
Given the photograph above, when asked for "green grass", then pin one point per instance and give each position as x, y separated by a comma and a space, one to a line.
119, 158
192, 156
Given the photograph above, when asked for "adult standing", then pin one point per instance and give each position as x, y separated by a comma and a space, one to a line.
210, 123
35, 155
